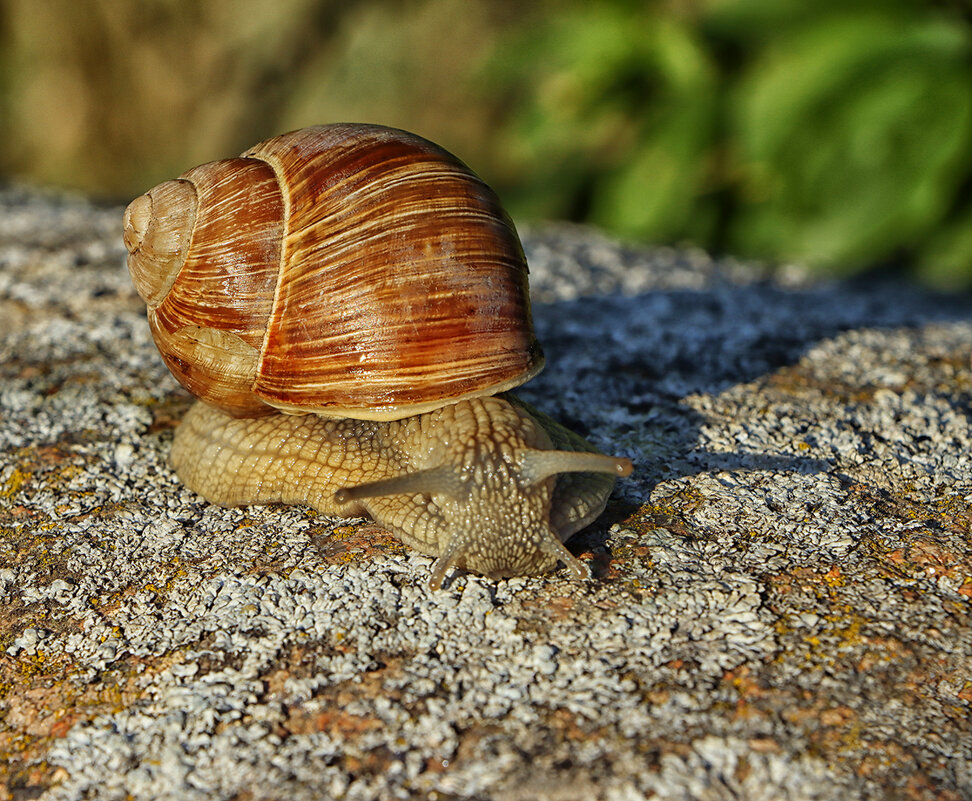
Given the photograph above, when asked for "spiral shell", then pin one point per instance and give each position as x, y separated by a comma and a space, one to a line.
346, 270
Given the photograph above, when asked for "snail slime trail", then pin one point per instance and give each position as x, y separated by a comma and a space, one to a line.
263, 316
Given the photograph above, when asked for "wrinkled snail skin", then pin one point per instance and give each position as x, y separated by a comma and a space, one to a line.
457, 483
348, 303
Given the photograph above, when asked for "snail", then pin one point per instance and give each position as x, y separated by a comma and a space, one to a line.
349, 303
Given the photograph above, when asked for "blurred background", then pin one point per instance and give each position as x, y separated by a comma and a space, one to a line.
834, 134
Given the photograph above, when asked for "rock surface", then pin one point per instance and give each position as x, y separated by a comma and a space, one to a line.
780, 606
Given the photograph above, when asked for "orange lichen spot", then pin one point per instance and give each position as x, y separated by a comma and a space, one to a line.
833, 577
837, 716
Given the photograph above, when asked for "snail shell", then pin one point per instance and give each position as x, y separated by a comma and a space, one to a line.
347, 301
418, 266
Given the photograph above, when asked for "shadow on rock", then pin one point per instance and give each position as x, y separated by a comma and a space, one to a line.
632, 361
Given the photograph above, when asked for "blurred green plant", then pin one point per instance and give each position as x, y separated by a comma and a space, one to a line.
853, 136
613, 109
834, 134
831, 134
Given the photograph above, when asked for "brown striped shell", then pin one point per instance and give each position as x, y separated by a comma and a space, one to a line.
346, 270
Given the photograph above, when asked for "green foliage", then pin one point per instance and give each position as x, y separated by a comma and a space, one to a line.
834, 134
611, 99
852, 135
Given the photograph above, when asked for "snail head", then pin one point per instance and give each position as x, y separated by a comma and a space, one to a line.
489, 496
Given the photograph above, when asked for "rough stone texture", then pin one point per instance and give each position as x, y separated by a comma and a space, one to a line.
780, 606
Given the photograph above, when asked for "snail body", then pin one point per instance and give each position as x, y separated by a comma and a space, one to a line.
347, 302
472, 483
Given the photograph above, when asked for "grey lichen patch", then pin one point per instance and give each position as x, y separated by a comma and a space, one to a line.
742, 771
780, 601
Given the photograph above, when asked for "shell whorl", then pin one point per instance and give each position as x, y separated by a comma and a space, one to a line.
158, 227
347, 270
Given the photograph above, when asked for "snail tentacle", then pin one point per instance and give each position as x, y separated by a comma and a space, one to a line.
537, 465
554, 547
452, 554
443, 480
